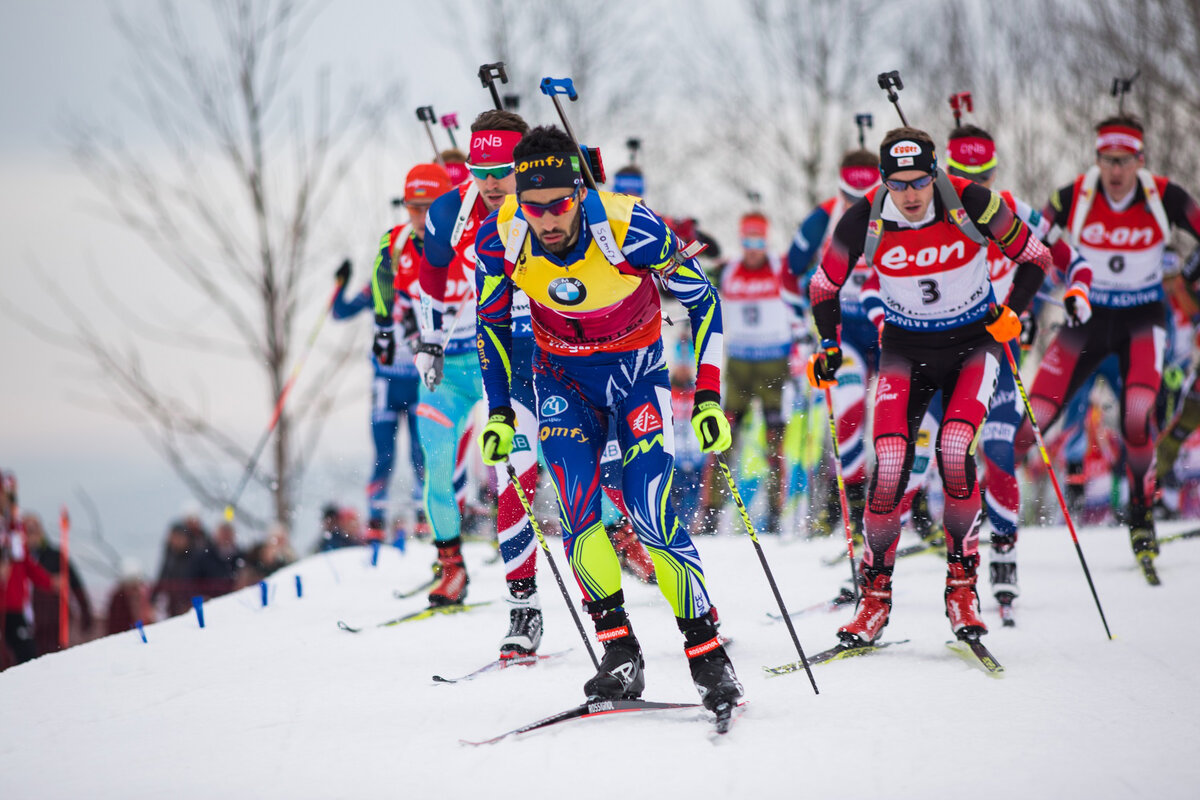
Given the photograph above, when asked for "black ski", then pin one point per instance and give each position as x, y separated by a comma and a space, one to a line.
424, 613
400, 594
977, 653
1174, 537
932, 545
845, 597
502, 663
838, 651
591, 708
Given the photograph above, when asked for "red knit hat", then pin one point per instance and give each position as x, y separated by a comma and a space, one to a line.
426, 183
753, 225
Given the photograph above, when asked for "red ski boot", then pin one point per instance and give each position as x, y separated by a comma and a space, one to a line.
962, 601
874, 607
452, 588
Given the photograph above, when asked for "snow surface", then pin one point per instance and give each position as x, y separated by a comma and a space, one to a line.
277, 702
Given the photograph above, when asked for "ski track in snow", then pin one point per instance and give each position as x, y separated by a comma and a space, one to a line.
277, 702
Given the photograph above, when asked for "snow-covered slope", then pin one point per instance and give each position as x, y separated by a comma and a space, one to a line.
277, 702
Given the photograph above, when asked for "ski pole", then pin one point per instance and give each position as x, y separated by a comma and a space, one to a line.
863, 121
1121, 87
562, 587
890, 82
278, 412
488, 73
1045, 298
64, 578
960, 102
426, 115
762, 557
1037, 432
841, 484
450, 123
552, 88
634, 146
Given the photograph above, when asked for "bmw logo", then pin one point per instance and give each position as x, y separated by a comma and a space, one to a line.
568, 291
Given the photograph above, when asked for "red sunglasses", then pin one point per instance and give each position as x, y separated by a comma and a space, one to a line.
555, 208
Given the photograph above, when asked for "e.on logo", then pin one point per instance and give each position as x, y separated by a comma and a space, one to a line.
898, 258
1096, 234
905, 148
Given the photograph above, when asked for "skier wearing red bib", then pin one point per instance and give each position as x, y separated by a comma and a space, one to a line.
760, 303
925, 234
972, 155
1119, 217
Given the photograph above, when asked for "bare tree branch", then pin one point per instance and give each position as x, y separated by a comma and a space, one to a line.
228, 202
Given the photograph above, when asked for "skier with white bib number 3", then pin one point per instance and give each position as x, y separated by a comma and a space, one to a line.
925, 236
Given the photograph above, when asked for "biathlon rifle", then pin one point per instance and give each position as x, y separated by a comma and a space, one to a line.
890, 82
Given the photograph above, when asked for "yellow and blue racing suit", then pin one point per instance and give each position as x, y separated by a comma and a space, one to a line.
598, 358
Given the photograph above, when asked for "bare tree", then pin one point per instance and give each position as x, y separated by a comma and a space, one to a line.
1041, 71
604, 49
249, 173
771, 89
1159, 40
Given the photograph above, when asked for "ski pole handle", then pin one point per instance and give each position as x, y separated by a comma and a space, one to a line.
553, 86
426, 115
488, 74
890, 82
450, 123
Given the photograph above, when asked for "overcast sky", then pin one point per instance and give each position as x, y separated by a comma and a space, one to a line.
62, 60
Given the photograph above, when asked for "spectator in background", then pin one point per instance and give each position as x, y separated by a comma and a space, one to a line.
272, 554
129, 601
18, 570
218, 564
177, 575
45, 603
333, 530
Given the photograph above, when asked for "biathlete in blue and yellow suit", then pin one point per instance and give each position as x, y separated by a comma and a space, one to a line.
588, 261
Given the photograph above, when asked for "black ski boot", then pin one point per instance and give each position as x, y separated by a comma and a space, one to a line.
923, 522
856, 500
1143, 539
1002, 569
622, 669
712, 671
524, 620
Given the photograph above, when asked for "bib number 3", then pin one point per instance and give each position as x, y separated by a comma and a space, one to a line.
929, 291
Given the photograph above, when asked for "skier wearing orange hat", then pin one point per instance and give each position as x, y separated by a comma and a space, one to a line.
394, 385
762, 311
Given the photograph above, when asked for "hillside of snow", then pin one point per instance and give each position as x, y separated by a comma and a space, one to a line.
278, 702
